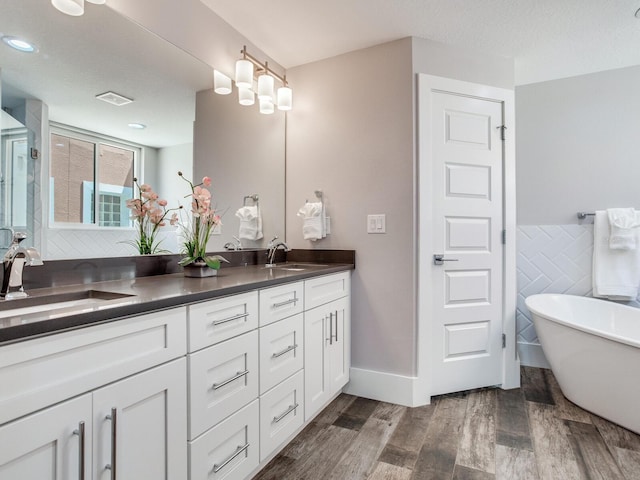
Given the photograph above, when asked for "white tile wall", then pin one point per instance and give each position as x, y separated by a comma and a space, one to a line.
551, 259
66, 243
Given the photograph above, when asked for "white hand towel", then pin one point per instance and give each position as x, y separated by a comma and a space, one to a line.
623, 223
312, 220
616, 273
250, 223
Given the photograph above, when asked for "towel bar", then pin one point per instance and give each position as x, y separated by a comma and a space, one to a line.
583, 215
253, 197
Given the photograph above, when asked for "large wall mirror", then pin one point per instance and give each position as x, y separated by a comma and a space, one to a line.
79, 58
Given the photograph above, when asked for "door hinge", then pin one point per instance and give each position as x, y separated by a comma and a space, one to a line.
502, 131
504, 341
504, 237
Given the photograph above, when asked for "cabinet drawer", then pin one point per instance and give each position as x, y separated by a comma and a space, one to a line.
218, 320
281, 413
229, 450
280, 302
281, 350
40, 372
325, 289
222, 378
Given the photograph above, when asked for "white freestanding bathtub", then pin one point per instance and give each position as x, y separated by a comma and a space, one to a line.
593, 347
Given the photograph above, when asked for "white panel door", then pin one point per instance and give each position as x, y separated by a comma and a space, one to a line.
467, 155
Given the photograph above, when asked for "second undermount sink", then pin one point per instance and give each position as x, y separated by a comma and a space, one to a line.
299, 267
50, 304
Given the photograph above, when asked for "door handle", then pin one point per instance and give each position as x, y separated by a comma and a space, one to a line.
438, 259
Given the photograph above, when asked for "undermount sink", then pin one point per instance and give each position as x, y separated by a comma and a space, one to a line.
298, 267
54, 303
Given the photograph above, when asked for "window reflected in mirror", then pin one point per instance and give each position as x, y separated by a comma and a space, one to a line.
78, 164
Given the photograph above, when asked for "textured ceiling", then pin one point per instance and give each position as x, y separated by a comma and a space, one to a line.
547, 38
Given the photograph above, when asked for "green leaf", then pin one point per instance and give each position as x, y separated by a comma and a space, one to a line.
186, 261
212, 262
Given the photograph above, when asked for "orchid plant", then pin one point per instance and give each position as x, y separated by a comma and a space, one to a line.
197, 230
149, 213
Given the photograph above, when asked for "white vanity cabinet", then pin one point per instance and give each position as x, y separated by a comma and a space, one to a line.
139, 425
327, 339
134, 425
212, 390
54, 444
252, 390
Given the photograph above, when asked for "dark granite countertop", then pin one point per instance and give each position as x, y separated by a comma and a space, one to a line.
140, 295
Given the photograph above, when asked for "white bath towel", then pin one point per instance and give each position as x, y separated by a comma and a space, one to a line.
623, 223
250, 222
616, 273
313, 221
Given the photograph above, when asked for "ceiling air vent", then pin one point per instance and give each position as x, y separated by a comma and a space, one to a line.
114, 98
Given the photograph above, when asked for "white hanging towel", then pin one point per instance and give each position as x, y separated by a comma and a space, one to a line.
250, 223
623, 223
616, 273
312, 215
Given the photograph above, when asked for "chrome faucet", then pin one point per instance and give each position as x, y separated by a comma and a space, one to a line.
233, 246
14, 261
273, 247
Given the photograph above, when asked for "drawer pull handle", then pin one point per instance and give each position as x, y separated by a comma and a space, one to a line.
286, 302
331, 328
230, 319
114, 443
287, 412
238, 375
286, 350
80, 432
239, 450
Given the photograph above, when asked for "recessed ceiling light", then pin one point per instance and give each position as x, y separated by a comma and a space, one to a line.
19, 44
139, 126
114, 98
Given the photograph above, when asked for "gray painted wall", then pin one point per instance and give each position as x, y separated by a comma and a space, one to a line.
577, 146
577, 151
351, 134
243, 152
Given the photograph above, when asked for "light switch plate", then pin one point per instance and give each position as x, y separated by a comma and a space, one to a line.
377, 223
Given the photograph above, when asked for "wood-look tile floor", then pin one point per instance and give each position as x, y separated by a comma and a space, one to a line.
528, 433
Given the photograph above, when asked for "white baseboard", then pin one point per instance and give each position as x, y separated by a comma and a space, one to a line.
531, 355
385, 387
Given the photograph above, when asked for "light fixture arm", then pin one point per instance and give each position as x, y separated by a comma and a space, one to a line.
263, 66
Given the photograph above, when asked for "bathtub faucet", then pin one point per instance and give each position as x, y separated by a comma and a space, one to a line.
16, 258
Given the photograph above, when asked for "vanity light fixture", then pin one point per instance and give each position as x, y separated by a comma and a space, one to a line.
266, 77
221, 83
19, 44
266, 106
265, 86
246, 96
75, 8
